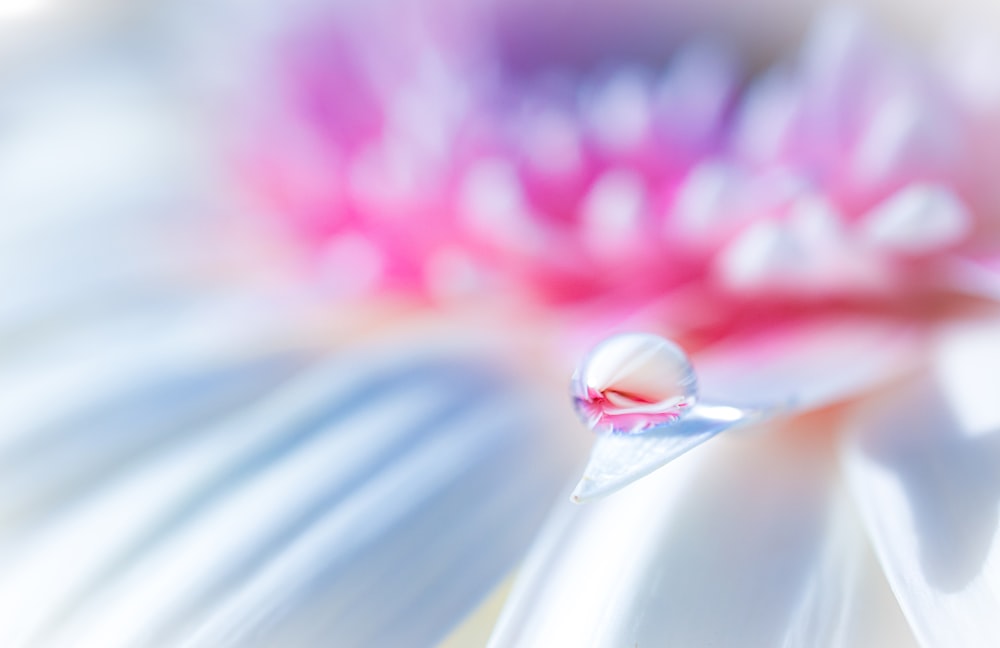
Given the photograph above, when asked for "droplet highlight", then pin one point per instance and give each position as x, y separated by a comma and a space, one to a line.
632, 382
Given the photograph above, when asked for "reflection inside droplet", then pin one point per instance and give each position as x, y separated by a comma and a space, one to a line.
632, 382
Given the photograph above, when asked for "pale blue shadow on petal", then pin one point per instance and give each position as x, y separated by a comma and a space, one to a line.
619, 459
72, 369
370, 501
952, 483
744, 543
929, 491
83, 447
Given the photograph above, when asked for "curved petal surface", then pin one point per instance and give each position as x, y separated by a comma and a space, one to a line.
746, 542
792, 369
928, 485
324, 511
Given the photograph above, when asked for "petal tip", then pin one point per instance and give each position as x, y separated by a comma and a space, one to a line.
589, 489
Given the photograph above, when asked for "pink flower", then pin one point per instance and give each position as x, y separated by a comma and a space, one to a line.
845, 180
806, 232
202, 446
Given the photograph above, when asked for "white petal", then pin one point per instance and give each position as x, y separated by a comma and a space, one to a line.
494, 207
848, 602
907, 134
929, 491
968, 366
319, 511
139, 418
798, 368
710, 200
617, 460
74, 370
917, 220
807, 365
806, 254
403, 560
744, 543
612, 212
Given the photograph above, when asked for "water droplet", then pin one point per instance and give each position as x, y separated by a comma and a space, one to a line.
632, 382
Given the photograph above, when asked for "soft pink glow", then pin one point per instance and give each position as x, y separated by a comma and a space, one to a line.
843, 179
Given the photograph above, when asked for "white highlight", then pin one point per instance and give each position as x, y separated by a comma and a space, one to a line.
917, 220
710, 197
494, 207
612, 212
20, 9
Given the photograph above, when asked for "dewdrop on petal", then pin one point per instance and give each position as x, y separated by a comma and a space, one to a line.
633, 382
